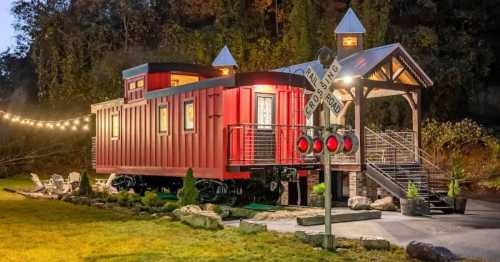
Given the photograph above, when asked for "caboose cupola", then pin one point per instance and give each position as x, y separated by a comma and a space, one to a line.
225, 62
350, 33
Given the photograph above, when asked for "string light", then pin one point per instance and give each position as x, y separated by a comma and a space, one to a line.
73, 124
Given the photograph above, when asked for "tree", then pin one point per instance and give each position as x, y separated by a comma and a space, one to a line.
188, 194
301, 31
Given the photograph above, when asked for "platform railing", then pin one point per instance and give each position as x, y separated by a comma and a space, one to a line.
257, 144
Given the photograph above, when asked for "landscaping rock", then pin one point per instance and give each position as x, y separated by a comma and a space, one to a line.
195, 217
384, 204
370, 242
429, 252
251, 228
237, 212
209, 207
98, 205
339, 218
359, 203
314, 239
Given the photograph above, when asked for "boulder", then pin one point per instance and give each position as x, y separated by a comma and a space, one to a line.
371, 242
195, 217
429, 252
384, 204
251, 228
210, 207
316, 239
359, 203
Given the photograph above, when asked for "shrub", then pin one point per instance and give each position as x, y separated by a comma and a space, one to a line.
151, 199
170, 206
188, 194
134, 198
457, 174
122, 198
319, 189
85, 187
411, 191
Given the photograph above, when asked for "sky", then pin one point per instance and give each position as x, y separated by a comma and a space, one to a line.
7, 33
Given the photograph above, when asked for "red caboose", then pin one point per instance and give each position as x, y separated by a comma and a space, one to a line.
237, 131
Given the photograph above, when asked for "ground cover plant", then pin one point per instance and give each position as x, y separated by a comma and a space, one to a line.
43, 230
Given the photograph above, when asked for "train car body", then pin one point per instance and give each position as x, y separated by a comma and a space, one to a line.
177, 116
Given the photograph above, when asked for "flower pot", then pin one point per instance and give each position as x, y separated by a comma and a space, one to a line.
317, 200
460, 204
413, 207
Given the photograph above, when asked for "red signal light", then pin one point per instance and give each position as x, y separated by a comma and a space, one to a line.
351, 144
334, 143
317, 145
304, 144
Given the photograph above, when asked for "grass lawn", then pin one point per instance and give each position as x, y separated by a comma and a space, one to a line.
43, 230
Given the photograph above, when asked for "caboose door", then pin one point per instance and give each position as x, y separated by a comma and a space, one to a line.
265, 131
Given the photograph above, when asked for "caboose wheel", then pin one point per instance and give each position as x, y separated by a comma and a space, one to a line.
210, 191
123, 183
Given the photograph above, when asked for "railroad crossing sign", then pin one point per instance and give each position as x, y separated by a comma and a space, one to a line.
321, 89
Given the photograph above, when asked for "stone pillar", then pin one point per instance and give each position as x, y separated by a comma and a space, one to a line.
356, 184
312, 180
284, 195
370, 188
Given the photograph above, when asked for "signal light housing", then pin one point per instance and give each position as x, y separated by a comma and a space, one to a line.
317, 145
304, 144
351, 144
334, 143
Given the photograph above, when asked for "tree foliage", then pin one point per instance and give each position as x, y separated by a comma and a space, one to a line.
188, 194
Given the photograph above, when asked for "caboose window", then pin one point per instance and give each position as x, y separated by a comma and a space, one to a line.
189, 115
115, 126
132, 85
163, 119
179, 79
140, 83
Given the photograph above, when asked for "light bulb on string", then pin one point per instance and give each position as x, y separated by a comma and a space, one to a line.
15, 119
86, 119
85, 127
66, 123
39, 124
58, 124
6, 116
76, 122
62, 128
73, 128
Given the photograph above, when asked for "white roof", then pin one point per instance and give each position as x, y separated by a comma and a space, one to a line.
350, 24
224, 58
359, 63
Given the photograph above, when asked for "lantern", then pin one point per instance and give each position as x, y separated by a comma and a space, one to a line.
351, 144
317, 145
334, 143
304, 144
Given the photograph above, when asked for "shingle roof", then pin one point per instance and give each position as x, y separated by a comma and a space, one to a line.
224, 58
357, 64
350, 24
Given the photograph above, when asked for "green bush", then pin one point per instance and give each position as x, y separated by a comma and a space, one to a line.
188, 194
170, 206
411, 191
319, 189
151, 199
85, 187
134, 198
457, 174
122, 198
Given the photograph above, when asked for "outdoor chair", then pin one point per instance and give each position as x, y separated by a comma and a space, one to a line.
58, 182
103, 185
73, 182
39, 186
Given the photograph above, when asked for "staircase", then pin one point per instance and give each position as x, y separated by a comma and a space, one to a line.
392, 161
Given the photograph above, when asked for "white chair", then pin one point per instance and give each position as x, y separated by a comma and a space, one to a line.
39, 186
103, 185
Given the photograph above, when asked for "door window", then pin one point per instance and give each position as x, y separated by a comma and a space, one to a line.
265, 112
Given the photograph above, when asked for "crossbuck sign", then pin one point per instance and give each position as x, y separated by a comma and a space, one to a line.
321, 89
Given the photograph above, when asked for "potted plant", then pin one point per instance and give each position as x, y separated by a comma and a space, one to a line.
318, 195
412, 205
457, 175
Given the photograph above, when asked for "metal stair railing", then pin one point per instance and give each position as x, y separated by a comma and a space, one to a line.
438, 178
396, 162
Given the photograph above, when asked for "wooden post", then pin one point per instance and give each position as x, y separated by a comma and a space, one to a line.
359, 122
416, 119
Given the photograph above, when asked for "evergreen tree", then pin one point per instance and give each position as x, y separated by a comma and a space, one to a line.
188, 194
